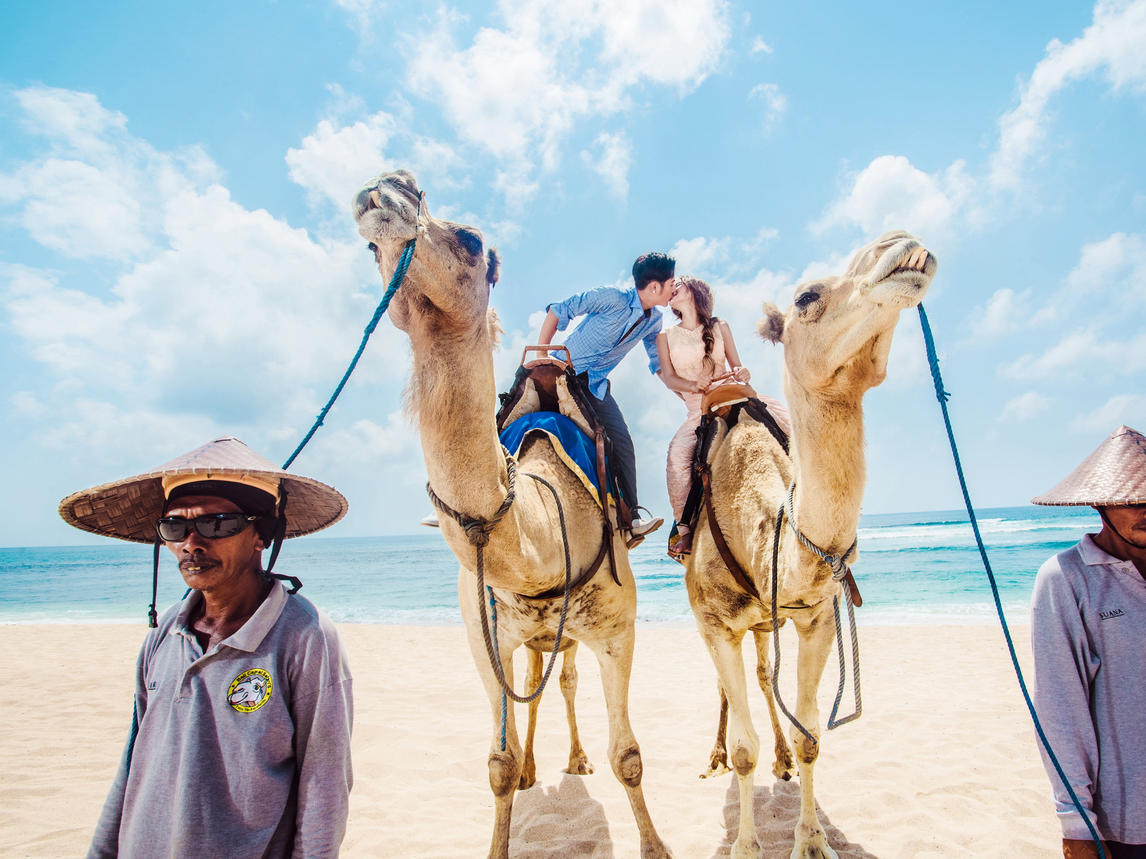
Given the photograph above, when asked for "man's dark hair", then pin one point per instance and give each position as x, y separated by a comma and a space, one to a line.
653, 266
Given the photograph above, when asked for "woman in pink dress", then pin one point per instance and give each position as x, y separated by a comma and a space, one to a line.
692, 354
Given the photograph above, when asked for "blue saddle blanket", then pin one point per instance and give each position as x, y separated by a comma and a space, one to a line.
576, 449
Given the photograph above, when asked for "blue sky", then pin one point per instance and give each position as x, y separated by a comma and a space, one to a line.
177, 258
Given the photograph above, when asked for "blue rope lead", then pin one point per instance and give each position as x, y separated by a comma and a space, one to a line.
395, 282
943, 396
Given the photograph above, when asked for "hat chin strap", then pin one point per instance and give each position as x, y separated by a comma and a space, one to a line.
1114, 530
152, 615
277, 544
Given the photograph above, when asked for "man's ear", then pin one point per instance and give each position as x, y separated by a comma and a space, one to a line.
771, 327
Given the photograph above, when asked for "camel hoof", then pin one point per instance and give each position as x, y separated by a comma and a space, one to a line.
813, 847
783, 770
747, 850
579, 765
655, 850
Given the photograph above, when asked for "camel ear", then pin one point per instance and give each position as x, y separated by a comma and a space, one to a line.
493, 267
771, 327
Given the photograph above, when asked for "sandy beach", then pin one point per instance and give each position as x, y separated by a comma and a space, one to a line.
942, 763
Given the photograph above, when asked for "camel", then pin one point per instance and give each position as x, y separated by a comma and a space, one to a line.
443, 306
836, 338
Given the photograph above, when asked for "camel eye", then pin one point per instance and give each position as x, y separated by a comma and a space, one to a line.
807, 298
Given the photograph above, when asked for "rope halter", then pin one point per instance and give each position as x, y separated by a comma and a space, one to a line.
836, 563
478, 528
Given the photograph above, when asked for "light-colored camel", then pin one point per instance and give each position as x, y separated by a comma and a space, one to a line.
443, 307
836, 338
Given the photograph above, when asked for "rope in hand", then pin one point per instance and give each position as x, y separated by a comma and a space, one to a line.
943, 396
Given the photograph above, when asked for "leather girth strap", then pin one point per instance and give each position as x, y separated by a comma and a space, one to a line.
603, 492
742, 578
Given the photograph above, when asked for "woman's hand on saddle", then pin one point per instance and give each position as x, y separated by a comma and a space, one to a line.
741, 375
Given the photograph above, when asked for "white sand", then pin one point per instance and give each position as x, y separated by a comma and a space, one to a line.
942, 763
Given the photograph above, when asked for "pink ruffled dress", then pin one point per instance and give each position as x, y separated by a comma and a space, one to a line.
686, 351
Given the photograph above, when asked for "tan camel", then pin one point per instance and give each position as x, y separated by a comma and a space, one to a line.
443, 307
836, 339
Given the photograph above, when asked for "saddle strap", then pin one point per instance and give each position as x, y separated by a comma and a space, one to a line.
603, 494
733, 565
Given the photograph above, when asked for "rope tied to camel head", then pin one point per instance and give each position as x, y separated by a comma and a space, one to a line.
478, 528
836, 563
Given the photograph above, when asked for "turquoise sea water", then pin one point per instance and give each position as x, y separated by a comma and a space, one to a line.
913, 568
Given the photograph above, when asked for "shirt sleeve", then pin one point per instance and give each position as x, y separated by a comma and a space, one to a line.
105, 839
590, 301
651, 349
1064, 670
323, 721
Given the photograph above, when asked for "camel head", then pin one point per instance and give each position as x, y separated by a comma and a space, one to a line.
837, 333
448, 282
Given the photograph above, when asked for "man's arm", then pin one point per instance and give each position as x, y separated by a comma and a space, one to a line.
1063, 671
105, 839
650, 341
323, 721
548, 329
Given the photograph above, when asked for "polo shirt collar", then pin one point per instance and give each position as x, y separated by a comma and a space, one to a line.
1094, 555
251, 634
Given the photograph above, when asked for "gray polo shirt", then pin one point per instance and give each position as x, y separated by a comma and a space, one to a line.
241, 751
1088, 633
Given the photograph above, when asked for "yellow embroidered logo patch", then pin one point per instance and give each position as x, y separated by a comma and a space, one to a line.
250, 690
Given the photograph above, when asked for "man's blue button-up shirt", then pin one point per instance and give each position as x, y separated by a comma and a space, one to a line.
599, 343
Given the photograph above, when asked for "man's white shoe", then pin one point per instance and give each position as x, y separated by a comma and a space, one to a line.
430, 521
641, 527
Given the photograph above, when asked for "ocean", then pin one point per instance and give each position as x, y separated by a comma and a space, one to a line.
912, 568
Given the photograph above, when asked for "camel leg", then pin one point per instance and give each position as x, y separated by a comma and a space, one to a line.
743, 743
615, 657
816, 638
718, 760
578, 760
504, 764
529, 766
782, 766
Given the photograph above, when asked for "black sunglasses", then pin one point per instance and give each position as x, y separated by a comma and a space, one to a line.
212, 526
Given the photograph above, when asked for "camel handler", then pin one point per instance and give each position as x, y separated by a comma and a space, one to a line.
615, 321
240, 740
1088, 633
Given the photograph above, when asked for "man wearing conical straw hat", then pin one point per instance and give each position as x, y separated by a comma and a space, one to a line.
240, 739
1088, 633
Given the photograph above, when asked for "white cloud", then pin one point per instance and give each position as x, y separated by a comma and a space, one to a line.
225, 317
1005, 312
611, 160
334, 162
891, 193
518, 92
1112, 44
1116, 266
1129, 409
1078, 353
775, 102
759, 46
1024, 407
92, 192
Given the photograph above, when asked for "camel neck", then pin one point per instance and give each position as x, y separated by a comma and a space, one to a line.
828, 460
453, 392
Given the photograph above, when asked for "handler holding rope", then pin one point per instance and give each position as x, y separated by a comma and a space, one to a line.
1088, 633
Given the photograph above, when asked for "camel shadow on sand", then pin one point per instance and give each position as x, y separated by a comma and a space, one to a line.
559, 821
776, 809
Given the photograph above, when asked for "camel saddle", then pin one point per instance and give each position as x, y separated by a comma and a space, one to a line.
550, 384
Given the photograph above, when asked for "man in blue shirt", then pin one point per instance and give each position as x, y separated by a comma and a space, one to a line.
615, 321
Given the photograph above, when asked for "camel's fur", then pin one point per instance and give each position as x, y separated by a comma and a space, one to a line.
836, 338
442, 306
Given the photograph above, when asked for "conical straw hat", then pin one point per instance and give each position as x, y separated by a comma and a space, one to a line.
1115, 474
127, 509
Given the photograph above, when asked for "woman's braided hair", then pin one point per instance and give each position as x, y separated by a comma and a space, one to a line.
702, 301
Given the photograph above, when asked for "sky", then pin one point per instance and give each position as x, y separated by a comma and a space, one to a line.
178, 260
